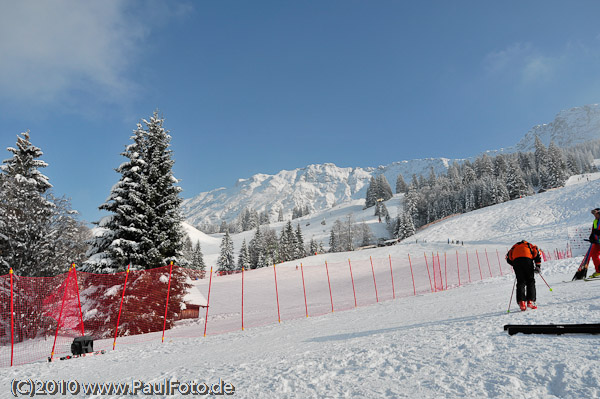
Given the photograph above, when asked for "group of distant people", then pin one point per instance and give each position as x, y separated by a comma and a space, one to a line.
457, 242
525, 259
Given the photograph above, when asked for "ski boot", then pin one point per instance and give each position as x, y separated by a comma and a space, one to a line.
522, 305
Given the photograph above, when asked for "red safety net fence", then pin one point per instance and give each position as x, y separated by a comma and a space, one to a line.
289, 291
40, 316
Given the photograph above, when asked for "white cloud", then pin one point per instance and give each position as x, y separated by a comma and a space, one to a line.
523, 63
52, 50
503, 60
538, 68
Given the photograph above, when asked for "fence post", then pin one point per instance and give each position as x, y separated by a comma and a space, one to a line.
468, 265
121, 307
478, 264
499, 266
352, 279
242, 299
374, 282
277, 295
304, 289
12, 319
488, 262
446, 270
429, 274
412, 275
458, 268
167, 306
329, 283
208, 300
78, 300
392, 274
60, 314
433, 271
437, 254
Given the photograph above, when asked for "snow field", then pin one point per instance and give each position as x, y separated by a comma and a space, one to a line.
446, 344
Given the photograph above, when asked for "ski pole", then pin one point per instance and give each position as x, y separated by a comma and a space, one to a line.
511, 295
540, 274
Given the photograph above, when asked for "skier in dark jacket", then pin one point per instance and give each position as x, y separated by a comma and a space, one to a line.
526, 260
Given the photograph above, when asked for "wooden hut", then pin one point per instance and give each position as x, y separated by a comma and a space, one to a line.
192, 302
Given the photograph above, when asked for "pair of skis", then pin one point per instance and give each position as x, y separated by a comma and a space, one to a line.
553, 329
581, 273
68, 357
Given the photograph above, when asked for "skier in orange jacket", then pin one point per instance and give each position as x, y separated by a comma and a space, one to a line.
526, 260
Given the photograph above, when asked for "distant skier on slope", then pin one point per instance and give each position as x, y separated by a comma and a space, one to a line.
526, 260
594, 240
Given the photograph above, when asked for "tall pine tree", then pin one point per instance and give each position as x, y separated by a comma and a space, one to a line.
244, 257
226, 261
197, 261
25, 211
144, 227
300, 250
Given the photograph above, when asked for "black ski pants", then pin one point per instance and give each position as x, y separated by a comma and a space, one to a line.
524, 271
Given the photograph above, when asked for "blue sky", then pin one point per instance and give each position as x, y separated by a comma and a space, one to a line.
259, 86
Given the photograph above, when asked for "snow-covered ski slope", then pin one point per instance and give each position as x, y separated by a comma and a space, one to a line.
445, 344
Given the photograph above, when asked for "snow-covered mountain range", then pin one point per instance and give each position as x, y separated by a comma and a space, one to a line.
570, 127
321, 187
317, 186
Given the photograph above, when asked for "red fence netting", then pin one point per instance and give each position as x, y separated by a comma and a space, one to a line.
40, 316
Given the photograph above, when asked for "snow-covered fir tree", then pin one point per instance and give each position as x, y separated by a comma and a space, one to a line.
333, 241
500, 166
484, 166
365, 234
164, 240
399, 226
384, 188
573, 165
515, 183
541, 153
287, 243
379, 189
144, 227
248, 219
68, 239
401, 186
244, 256
409, 226
256, 249
557, 166
404, 226
371, 196
411, 200
197, 260
25, 211
264, 218
39, 233
118, 238
271, 252
343, 235
300, 250
226, 261
313, 247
